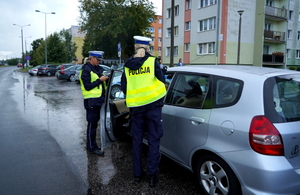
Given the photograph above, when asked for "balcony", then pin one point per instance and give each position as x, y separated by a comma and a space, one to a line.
274, 13
273, 59
274, 36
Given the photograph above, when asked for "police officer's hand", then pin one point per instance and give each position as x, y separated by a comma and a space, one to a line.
103, 78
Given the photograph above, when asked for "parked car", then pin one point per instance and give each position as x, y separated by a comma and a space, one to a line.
235, 127
47, 69
69, 73
107, 70
33, 71
19, 65
62, 67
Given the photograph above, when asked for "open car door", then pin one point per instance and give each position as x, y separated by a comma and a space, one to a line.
114, 114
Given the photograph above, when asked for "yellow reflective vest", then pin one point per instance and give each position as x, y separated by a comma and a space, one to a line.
95, 92
142, 85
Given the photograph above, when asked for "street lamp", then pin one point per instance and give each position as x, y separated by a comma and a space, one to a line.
22, 41
239, 39
26, 44
45, 31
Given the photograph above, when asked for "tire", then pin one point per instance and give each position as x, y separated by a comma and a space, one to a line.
215, 177
72, 78
48, 74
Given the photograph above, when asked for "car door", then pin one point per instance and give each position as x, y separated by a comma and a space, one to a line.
114, 114
186, 115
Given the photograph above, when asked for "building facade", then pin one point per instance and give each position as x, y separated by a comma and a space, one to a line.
78, 39
156, 34
248, 32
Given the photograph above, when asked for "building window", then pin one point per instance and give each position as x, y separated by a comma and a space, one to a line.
298, 54
150, 29
288, 53
160, 20
168, 51
298, 35
159, 39
151, 20
266, 49
151, 48
187, 47
188, 4
205, 3
169, 13
176, 10
291, 14
289, 34
206, 48
207, 24
159, 49
188, 26
168, 32
176, 30
269, 3
159, 30
176, 51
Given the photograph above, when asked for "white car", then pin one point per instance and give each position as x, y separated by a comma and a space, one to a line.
236, 127
33, 71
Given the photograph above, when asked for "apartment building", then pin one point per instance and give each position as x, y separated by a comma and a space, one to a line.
248, 32
156, 34
78, 38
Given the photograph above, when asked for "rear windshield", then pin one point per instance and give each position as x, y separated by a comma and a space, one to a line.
282, 98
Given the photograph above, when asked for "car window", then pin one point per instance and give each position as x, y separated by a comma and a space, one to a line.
188, 90
227, 90
282, 103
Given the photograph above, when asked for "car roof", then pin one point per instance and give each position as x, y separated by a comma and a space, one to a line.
230, 70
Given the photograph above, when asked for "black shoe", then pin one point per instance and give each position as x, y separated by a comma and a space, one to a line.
97, 152
152, 180
138, 178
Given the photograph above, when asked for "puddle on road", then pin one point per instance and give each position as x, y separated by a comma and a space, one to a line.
57, 106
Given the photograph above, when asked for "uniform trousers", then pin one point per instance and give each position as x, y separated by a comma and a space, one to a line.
92, 117
150, 121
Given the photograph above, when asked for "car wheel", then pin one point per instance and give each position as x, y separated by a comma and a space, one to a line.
48, 74
72, 78
216, 177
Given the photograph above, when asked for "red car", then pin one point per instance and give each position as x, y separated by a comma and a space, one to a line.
19, 65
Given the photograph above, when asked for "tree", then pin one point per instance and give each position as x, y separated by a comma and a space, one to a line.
109, 22
69, 46
13, 61
34, 54
56, 50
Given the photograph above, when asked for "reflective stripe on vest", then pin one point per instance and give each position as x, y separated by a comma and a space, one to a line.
142, 85
93, 93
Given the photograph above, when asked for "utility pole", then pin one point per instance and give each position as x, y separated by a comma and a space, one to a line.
172, 35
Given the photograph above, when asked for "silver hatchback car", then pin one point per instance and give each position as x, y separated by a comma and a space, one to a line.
236, 127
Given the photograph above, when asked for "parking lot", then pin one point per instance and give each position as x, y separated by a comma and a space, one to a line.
56, 106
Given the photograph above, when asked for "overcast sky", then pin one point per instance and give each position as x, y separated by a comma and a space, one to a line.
22, 13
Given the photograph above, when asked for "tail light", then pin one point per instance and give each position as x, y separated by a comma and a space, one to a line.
264, 138
62, 72
44, 68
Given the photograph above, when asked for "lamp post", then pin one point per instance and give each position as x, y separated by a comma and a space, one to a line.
22, 41
45, 31
239, 38
26, 44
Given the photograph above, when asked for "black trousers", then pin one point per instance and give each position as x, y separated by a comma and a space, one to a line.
92, 117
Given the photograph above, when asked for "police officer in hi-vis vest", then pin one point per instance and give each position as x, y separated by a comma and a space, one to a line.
143, 83
93, 86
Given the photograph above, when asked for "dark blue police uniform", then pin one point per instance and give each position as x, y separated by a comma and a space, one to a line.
145, 118
92, 105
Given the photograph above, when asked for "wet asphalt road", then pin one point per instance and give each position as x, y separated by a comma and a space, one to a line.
42, 145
